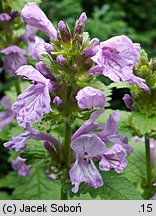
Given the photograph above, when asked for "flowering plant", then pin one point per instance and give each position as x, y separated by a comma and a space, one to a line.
70, 140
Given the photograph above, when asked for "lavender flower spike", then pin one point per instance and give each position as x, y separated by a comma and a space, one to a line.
8, 115
14, 58
35, 100
20, 166
116, 57
86, 147
89, 97
34, 16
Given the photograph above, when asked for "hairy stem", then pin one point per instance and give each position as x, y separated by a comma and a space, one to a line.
148, 162
17, 86
67, 140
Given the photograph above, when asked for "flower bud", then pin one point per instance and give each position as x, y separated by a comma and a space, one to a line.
60, 60
64, 31
80, 24
57, 101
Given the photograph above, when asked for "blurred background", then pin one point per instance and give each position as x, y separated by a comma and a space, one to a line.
107, 18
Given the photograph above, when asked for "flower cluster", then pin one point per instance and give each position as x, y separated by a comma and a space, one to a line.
60, 81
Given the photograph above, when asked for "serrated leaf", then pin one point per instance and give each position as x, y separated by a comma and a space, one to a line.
142, 123
136, 168
117, 187
12, 180
37, 186
35, 152
119, 85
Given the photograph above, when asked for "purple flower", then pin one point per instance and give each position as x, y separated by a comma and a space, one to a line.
35, 100
86, 147
114, 157
92, 47
18, 142
60, 60
116, 58
89, 97
57, 101
110, 133
153, 197
44, 71
8, 115
29, 34
38, 47
78, 29
20, 166
82, 19
128, 101
62, 26
4, 17
110, 128
14, 58
64, 31
34, 16
89, 125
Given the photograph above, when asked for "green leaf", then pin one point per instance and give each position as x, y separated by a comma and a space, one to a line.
4, 196
12, 180
142, 123
117, 187
37, 186
18, 6
136, 168
35, 152
119, 85
4, 134
85, 36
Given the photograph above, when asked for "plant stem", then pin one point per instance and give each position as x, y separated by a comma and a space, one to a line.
66, 151
64, 196
17, 86
67, 140
148, 162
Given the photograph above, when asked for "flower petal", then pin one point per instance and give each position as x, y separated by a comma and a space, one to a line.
82, 171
